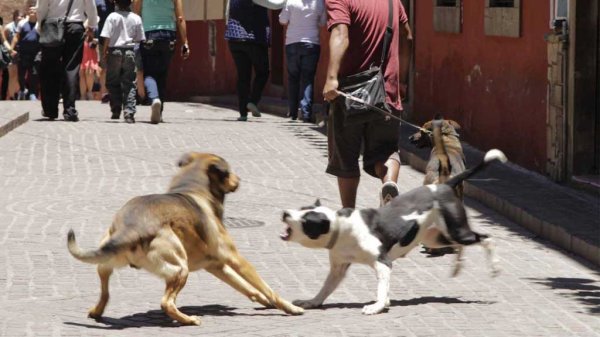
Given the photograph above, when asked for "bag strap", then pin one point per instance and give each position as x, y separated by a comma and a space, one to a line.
389, 31
68, 10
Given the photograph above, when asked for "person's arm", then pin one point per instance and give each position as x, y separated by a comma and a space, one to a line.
137, 7
15, 41
41, 8
284, 16
3, 38
405, 56
182, 29
338, 44
105, 48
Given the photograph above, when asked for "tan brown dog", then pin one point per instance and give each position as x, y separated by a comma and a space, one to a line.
178, 232
446, 160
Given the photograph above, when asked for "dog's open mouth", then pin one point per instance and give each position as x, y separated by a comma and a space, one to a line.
285, 236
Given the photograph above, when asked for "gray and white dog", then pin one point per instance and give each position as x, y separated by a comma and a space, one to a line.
432, 215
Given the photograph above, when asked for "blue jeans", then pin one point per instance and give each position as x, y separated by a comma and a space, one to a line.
120, 80
302, 60
157, 52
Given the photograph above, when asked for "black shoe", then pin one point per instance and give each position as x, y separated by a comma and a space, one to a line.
47, 116
70, 117
129, 119
115, 115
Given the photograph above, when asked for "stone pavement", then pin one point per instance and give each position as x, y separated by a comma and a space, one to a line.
57, 175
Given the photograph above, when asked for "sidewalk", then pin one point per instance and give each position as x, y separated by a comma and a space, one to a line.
567, 217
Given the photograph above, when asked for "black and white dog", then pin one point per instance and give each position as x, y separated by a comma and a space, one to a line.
430, 214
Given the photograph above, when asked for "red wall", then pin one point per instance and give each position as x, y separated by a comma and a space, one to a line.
202, 74
495, 87
197, 77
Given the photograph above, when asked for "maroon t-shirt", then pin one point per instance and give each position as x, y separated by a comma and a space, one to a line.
367, 21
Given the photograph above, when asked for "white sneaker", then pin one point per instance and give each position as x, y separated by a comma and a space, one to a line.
389, 191
254, 109
156, 106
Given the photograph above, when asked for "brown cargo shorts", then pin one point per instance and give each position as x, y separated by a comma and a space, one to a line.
378, 140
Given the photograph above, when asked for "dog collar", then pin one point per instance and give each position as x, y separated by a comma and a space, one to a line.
334, 237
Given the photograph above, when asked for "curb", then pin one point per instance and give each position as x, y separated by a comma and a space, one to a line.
13, 123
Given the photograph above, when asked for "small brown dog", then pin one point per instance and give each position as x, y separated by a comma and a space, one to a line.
178, 232
446, 160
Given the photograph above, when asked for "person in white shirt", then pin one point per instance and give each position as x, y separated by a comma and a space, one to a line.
303, 19
122, 33
61, 63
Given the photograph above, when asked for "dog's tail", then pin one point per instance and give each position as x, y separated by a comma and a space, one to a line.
97, 256
490, 156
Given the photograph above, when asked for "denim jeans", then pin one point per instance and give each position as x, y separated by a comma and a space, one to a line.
120, 80
157, 52
302, 60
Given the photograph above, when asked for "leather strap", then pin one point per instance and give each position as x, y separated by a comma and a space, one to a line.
389, 32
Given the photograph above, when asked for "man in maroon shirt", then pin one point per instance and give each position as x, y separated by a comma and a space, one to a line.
357, 31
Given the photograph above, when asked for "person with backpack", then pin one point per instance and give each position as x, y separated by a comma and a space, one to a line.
60, 63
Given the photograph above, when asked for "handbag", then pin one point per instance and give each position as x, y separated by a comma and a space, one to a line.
368, 86
52, 33
270, 4
5, 57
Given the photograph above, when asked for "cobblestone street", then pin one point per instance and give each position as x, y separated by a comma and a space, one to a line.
55, 176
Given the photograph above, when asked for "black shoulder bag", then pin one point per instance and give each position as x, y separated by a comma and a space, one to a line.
368, 85
53, 30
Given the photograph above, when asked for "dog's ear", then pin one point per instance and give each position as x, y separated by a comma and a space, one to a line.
454, 124
219, 174
186, 159
427, 126
318, 202
314, 224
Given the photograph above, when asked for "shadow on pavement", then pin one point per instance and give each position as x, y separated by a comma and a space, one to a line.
410, 302
585, 291
157, 318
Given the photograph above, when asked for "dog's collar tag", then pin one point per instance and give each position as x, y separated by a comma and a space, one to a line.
334, 237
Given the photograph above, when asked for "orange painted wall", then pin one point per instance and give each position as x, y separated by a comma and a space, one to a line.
495, 87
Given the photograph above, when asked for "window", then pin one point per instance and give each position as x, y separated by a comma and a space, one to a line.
502, 3
446, 3
200, 10
503, 18
447, 16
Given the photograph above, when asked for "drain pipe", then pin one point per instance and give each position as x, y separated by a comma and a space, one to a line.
564, 38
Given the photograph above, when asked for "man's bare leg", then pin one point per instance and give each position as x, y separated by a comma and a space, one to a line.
348, 188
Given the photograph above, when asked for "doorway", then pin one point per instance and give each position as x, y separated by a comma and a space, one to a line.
584, 97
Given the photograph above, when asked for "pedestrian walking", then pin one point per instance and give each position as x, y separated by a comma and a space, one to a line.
162, 20
10, 75
303, 19
358, 35
122, 33
5, 60
60, 63
248, 35
90, 68
104, 8
27, 43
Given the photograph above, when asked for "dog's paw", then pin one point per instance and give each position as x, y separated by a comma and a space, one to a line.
495, 271
373, 309
95, 313
294, 310
193, 320
306, 304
